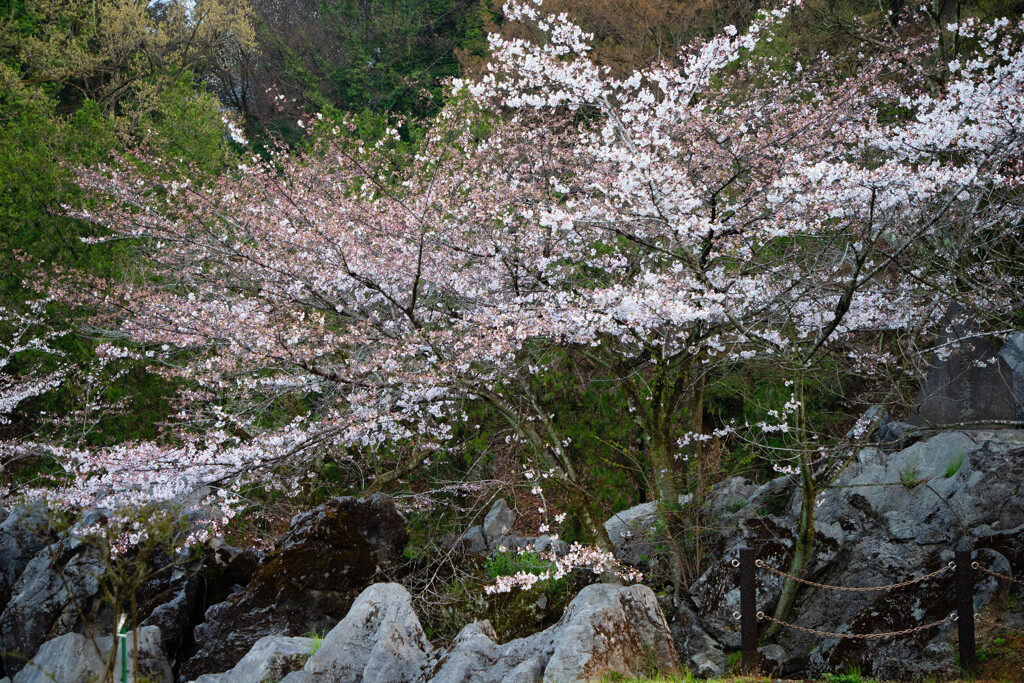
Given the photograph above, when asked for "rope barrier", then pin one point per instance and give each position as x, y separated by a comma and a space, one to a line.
868, 589
964, 588
996, 624
1004, 577
859, 636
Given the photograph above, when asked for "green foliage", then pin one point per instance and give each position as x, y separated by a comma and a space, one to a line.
746, 394
910, 476
851, 675
512, 562
318, 640
954, 467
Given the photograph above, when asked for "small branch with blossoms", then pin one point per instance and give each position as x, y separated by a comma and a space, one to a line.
579, 558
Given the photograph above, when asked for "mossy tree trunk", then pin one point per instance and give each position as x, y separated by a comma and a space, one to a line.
667, 403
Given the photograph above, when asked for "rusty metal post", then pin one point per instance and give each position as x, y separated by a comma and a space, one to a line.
748, 611
965, 614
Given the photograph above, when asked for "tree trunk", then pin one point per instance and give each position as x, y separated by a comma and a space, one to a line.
805, 526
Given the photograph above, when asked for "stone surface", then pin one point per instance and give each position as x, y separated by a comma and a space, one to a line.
57, 593
634, 532
73, 658
772, 660
605, 629
498, 522
697, 650
545, 544
307, 583
270, 659
473, 541
23, 533
475, 650
876, 417
379, 641
871, 530
894, 436
175, 617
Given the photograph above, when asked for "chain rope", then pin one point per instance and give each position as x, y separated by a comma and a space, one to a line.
1004, 577
996, 624
868, 589
859, 636
892, 634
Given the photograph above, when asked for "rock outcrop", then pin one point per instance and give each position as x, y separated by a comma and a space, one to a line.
887, 518
379, 641
605, 629
56, 594
307, 583
23, 533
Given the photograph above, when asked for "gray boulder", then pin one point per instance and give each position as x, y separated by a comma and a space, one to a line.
696, 649
874, 418
174, 617
546, 544
474, 651
772, 660
635, 532
605, 629
379, 641
270, 659
74, 658
498, 522
894, 435
473, 540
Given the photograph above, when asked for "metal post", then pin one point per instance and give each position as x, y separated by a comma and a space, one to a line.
965, 614
748, 611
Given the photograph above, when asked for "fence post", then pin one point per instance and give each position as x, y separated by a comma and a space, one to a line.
965, 614
748, 611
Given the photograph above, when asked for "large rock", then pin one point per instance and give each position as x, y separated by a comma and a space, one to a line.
57, 593
887, 518
498, 522
307, 583
175, 618
23, 533
604, 630
270, 659
637, 533
74, 658
379, 641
